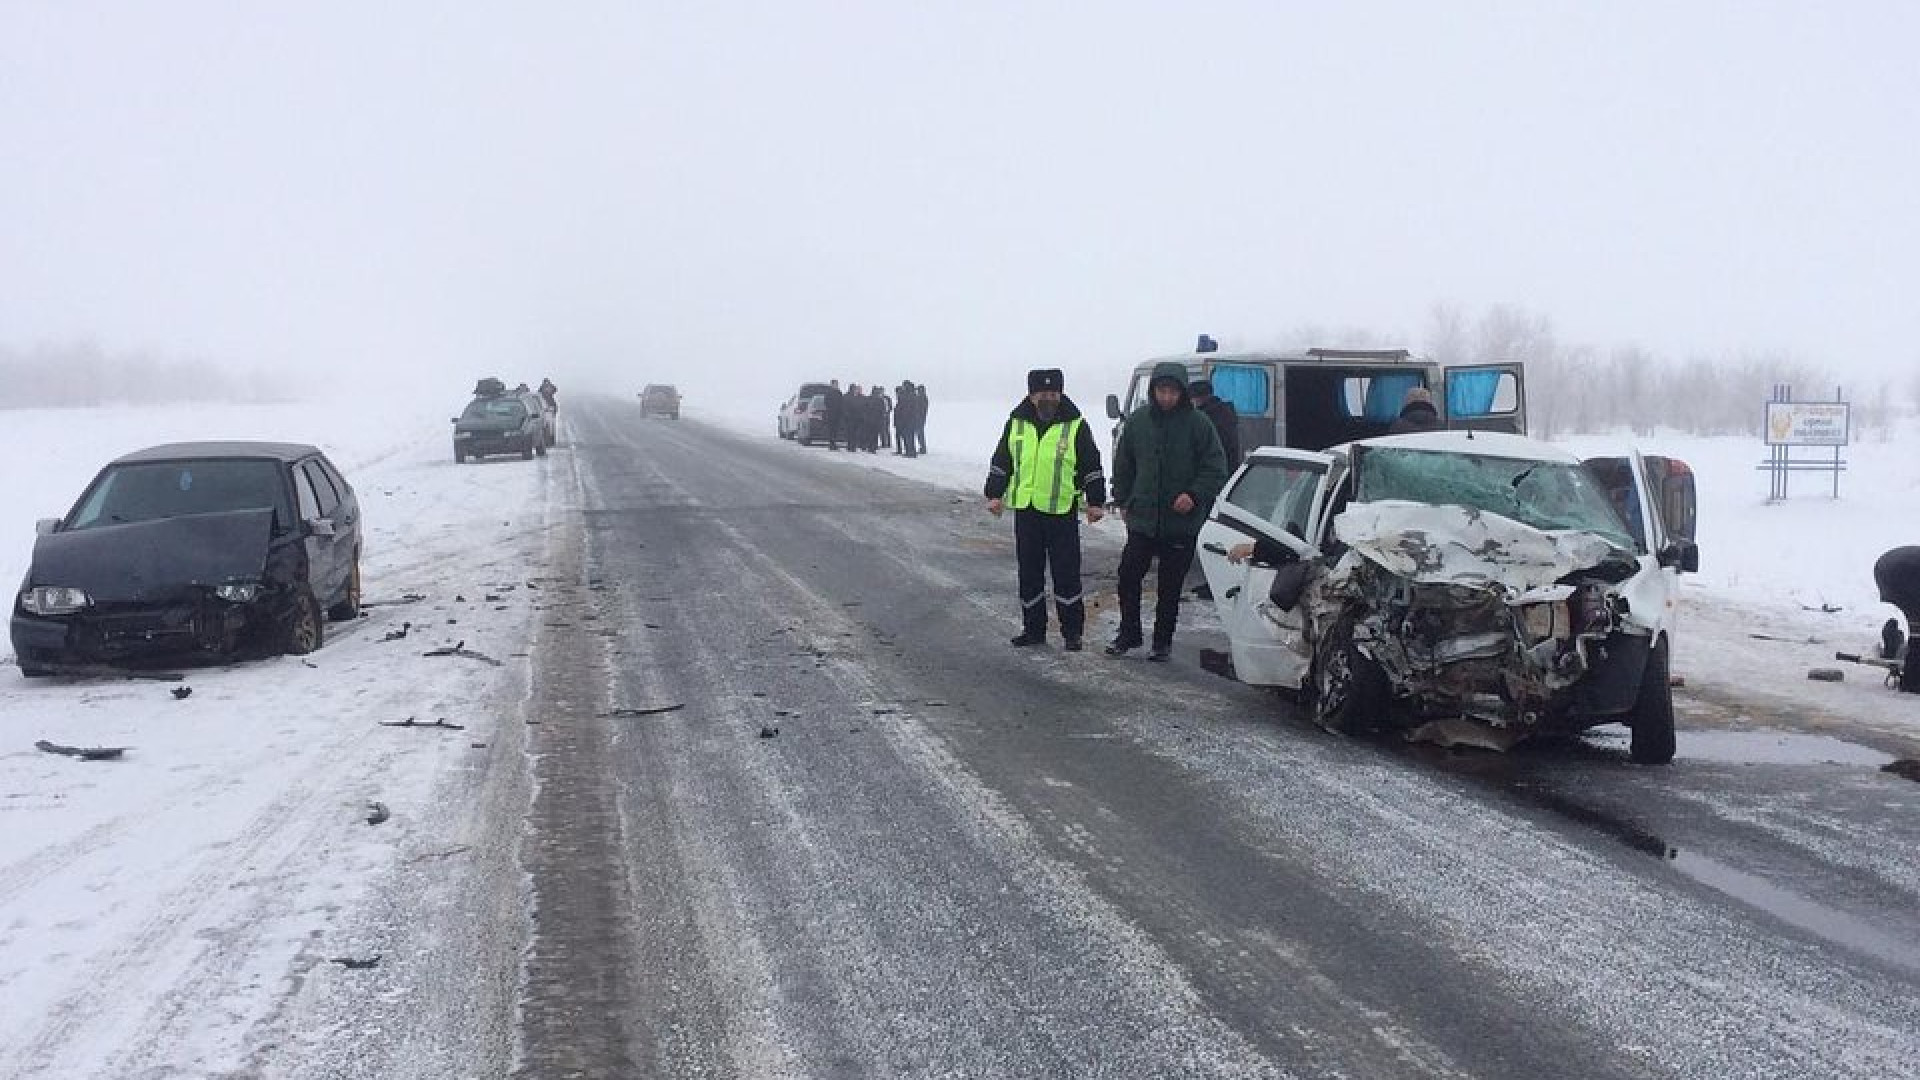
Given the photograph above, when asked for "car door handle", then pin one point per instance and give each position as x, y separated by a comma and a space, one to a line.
1214, 548
1233, 592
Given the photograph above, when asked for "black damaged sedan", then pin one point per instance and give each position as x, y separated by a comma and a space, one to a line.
192, 550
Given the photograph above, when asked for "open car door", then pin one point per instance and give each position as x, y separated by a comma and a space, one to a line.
1270, 503
1655, 497
1486, 397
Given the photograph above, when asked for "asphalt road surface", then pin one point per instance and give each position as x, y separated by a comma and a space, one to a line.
870, 839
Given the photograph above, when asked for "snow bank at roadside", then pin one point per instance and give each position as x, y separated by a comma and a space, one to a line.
154, 908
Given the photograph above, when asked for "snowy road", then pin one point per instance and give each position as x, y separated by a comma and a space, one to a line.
955, 859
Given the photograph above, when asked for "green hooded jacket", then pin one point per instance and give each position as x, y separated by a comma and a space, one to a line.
1162, 454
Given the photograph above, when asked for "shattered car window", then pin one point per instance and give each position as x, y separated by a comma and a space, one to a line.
150, 491
1279, 493
1542, 494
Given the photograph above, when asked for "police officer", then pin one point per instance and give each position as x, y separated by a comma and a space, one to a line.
1046, 467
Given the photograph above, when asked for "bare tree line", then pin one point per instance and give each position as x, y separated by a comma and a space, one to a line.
1576, 388
83, 374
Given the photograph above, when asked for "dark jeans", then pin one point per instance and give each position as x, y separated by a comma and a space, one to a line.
1174, 556
1045, 542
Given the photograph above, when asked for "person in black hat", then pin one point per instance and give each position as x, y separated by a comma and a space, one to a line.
1047, 468
1226, 419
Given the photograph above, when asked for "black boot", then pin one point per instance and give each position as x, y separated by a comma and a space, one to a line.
1026, 638
1124, 642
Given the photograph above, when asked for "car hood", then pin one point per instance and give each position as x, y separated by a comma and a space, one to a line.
126, 563
1456, 545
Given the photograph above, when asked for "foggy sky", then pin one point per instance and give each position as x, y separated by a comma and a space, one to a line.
736, 196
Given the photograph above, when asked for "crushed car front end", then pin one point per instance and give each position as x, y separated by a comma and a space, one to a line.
192, 587
1503, 591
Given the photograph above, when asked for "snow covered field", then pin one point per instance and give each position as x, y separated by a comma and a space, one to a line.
255, 789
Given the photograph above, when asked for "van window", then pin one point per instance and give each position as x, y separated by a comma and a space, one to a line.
1481, 393
1248, 387
1378, 397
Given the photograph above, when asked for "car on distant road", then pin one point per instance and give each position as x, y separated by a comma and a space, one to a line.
508, 423
812, 425
202, 550
1466, 587
660, 399
795, 409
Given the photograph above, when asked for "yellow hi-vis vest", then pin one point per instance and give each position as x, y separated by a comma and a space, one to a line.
1043, 466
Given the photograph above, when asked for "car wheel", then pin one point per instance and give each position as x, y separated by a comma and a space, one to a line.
305, 629
459, 456
526, 450
540, 447
1350, 692
349, 605
1652, 718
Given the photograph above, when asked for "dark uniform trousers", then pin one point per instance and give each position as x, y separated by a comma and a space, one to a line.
1175, 557
1045, 542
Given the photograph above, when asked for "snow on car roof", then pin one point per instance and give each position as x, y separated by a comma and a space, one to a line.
221, 449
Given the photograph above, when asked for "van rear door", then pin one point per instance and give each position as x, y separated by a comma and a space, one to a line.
1486, 397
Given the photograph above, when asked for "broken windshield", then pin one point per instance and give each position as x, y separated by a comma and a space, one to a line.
1543, 494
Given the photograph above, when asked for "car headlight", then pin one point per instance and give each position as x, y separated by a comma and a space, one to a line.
54, 600
237, 592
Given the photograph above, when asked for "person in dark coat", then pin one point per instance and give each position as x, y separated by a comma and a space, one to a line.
857, 418
836, 415
885, 409
920, 418
1417, 414
904, 405
1226, 419
1167, 469
874, 428
1047, 468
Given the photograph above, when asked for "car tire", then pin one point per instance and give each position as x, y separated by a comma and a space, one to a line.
305, 629
540, 447
349, 606
459, 456
1350, 692
526, 450
1651, 721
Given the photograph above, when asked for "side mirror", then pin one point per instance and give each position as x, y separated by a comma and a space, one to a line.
1684, 554
1113, 407
320, 526
45, 526
453, 419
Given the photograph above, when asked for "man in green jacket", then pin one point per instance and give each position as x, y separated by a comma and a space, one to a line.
1167, 468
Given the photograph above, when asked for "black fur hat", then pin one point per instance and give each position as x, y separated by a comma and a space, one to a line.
1045, 379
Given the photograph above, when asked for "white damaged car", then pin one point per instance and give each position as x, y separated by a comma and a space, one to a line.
1466, 587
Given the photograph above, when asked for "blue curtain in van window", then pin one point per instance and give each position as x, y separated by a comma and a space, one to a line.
1245, 387
1386, 394
1470, 393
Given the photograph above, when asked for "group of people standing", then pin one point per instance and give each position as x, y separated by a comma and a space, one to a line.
870, 420
1169, 465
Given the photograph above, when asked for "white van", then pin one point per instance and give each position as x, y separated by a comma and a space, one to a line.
1315, 398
